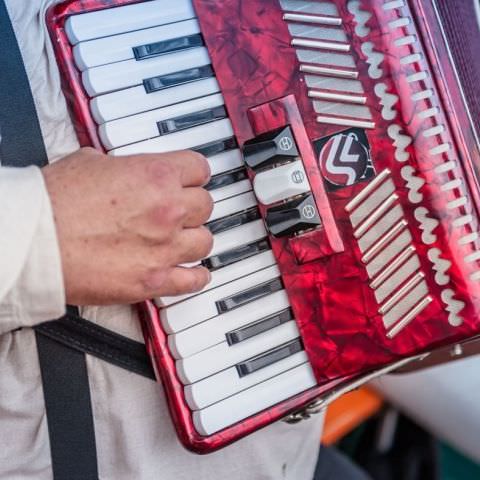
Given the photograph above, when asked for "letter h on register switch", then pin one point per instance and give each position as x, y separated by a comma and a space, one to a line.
281, 181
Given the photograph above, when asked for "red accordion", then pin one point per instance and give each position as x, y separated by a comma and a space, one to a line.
344, 174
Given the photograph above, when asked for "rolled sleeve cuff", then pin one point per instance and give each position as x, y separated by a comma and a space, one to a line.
31, 285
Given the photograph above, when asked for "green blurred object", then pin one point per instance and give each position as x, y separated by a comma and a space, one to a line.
455, 466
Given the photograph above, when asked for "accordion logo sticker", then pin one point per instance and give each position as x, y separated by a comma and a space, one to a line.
344, 158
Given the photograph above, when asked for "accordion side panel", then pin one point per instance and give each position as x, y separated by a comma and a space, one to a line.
409, 284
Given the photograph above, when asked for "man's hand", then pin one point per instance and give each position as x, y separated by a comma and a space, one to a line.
124, 224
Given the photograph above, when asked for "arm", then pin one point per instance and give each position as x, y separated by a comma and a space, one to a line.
124, 225
31, 283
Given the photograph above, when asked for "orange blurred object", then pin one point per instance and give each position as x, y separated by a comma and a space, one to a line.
349, 411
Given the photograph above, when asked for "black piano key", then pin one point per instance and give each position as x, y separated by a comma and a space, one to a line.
214, 148
177, 78
268, 358
168, 46
232, 221
260, 326
249, 295
270, 148
191, 120
236, 255
228, 178
292, 217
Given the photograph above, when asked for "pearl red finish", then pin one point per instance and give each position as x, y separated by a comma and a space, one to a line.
325, 272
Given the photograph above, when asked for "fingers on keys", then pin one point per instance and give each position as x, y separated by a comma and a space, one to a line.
199, 205
192, 244
178, 280
190, 168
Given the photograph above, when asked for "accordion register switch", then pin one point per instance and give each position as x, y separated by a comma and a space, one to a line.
282, 178
270, 148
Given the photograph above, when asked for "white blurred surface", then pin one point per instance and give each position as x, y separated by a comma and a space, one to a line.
445, 400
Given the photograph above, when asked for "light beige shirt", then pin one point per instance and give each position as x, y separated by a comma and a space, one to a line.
135, 437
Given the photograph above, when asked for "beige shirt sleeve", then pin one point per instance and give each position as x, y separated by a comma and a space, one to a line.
31, 281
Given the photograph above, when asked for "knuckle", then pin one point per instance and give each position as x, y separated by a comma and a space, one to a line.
202, 163
207, 202
201, 205
162, 172
152, 281
207, 174
172, 215
196, 280
205, 241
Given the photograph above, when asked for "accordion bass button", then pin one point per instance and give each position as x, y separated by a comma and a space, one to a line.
280, 183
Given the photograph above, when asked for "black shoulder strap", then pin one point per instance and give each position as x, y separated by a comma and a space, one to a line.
62, 343
87, 337
21, 142
69, 411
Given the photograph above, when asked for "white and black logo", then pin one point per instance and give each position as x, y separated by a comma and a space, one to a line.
297, 176
308, 211
344, 158
285, 143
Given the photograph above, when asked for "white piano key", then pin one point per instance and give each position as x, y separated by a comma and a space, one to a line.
212, 332
143, 126
131, 101
185, 314
182, 140
120, 47
229, 191
108, 78
281, 183
247, 233
227, 383
222, 356
233, 205
112, 21
227, 274
253, 400
225, 161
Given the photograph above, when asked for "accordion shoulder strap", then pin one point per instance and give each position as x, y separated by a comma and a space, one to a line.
87, 337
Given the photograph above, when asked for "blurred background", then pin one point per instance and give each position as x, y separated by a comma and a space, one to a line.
415, 426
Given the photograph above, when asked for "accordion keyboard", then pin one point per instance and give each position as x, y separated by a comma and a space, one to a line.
153, 89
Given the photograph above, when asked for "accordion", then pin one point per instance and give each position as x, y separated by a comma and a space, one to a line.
345, 178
